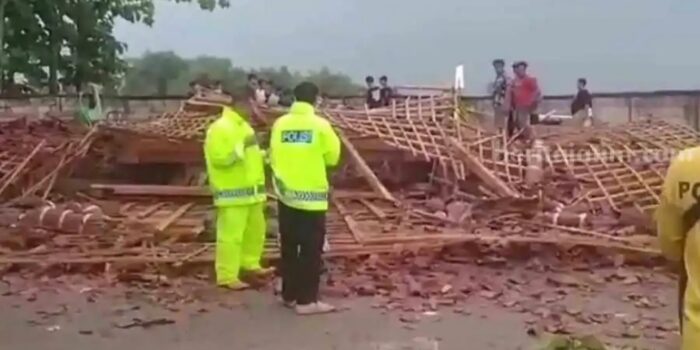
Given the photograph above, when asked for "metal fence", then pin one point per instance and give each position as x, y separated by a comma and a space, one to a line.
680, 106
677, 106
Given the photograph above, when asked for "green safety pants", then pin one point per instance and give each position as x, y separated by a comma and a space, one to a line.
240, 238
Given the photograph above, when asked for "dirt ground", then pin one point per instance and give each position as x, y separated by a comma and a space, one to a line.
81, 315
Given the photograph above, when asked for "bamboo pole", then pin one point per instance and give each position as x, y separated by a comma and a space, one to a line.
365, 170
21, 166
490, 180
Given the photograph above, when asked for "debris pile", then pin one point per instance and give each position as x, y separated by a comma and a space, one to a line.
421, 173
422, 286
424, 196
33, 154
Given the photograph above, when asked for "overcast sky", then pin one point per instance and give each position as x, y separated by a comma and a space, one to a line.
616, 44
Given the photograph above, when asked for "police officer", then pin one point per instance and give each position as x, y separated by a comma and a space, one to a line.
237, 179
678, 220
302, 147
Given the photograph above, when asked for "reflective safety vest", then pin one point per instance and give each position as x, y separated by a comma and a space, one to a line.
302, 146
234, 161
678, 223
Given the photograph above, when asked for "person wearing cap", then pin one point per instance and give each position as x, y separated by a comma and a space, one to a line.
525, 96
235, 170
303, 146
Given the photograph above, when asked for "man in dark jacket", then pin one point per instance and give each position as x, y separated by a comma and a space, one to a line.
582, 105
373, 98
386, 93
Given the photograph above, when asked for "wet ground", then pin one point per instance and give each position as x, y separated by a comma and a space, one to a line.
79, 316
263, 325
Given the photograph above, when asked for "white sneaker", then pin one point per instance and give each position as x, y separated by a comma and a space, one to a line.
287, 304
314, 308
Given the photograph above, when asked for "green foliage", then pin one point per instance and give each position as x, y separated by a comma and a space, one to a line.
144, 75
159, 68
209, 4
45, 39
72, 41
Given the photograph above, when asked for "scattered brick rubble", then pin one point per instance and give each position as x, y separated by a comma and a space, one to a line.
423, 193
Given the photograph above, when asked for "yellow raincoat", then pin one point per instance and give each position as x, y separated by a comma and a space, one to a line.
302, 146
679, 234
237, 180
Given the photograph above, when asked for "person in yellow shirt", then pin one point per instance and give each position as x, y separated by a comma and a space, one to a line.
678, 221
302, 147
236, 176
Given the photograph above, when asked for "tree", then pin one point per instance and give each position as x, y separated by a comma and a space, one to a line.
331, 83
57, 29
209, 4
72, 38
159, 69
146, 74
18, 14
282, 76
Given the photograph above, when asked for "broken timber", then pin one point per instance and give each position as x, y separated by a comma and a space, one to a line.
365, 170
127, 190
492, 181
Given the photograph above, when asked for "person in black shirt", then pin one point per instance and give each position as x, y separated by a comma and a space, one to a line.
582, 105
374, 99
385, 91
583, 100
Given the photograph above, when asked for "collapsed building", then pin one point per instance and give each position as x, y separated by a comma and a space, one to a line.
422, 173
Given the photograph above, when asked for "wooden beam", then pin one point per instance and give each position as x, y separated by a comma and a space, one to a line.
11, 177
174, 216
365, 170
475, 166
196, 191
152, 190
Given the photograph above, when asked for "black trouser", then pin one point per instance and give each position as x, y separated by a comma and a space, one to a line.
510, 125
302, 235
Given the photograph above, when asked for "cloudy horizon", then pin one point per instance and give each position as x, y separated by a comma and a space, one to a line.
617, 45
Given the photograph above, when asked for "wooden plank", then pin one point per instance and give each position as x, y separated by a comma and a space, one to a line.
192, 255
174, 216
365, 170
75, 152
124, 209
195, 191
150, 210
374, 209
18, 170
490, 180
153, 190
354, 228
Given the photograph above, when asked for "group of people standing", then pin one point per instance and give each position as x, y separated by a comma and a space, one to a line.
378, 96
516, 100
303, 147
264, 91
